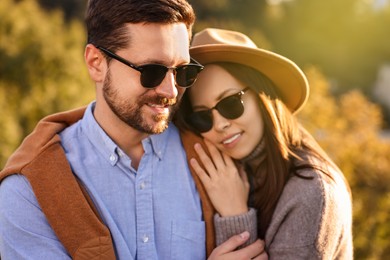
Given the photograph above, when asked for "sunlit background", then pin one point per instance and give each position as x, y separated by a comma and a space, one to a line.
342, 45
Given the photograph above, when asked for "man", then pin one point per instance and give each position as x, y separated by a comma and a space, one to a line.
123, 151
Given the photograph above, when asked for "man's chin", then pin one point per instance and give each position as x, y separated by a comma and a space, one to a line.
160, 127
160, 123
154, 127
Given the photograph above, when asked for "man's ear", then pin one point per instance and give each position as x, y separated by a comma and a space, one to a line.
96, 63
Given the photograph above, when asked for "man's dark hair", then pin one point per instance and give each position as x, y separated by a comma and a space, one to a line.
106, 20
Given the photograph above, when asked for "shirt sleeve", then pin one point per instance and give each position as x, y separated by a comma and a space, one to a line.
226, 227
24, 230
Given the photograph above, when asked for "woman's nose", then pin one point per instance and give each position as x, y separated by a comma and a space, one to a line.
220, 123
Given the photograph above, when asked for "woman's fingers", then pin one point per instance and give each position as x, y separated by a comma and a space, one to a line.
213, 164
216, 155
227, 190
228, 161
203, 176
205, 159
218, 163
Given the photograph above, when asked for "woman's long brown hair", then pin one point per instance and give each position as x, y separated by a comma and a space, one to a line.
285, 143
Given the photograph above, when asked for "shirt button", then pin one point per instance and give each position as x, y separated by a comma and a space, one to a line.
112, 158
145, 239
142, 185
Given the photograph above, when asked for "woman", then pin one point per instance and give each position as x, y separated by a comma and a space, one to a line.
261, 170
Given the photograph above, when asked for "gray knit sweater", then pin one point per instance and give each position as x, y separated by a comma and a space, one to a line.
312, 220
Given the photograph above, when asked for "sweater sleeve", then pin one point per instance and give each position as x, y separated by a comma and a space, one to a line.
226, 227
312, 220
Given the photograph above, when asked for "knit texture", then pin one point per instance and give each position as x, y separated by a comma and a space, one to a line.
312, 219
226, 227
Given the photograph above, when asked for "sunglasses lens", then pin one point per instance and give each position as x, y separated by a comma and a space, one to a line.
230, 107
152, 75
201, 121
187, 74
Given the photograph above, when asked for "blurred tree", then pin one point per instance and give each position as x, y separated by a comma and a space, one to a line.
348, 129
346, 39
70, 8
41, 71
232, 15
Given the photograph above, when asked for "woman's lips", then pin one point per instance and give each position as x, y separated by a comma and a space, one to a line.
231, 140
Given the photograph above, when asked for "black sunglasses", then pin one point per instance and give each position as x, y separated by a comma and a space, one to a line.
153, 74
231, 107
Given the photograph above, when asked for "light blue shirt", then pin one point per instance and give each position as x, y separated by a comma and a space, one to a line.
153, 212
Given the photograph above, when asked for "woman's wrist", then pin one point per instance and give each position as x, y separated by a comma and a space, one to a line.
233, 211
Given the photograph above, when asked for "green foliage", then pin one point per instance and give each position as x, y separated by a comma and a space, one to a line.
347, 39
348, 129
41, 71
71, 8
233, 15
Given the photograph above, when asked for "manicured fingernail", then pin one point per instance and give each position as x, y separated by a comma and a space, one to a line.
244, 235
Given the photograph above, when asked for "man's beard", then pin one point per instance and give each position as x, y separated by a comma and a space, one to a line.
132, 115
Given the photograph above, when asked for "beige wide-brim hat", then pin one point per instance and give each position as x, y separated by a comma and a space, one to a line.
216, 45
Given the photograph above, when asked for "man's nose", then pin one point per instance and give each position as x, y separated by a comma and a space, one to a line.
167, 87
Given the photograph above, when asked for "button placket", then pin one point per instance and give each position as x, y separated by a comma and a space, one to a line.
144, 205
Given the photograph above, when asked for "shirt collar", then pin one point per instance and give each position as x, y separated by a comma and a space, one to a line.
157, 144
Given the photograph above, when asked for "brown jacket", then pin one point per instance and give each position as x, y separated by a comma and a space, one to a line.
67, 206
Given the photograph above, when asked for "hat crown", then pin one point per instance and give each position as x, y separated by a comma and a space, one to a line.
219, 36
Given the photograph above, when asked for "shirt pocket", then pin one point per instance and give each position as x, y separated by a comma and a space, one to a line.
188, 240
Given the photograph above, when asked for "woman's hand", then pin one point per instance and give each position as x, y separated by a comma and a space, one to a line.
226, 185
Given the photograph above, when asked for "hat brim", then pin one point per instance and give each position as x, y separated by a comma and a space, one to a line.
286, 75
